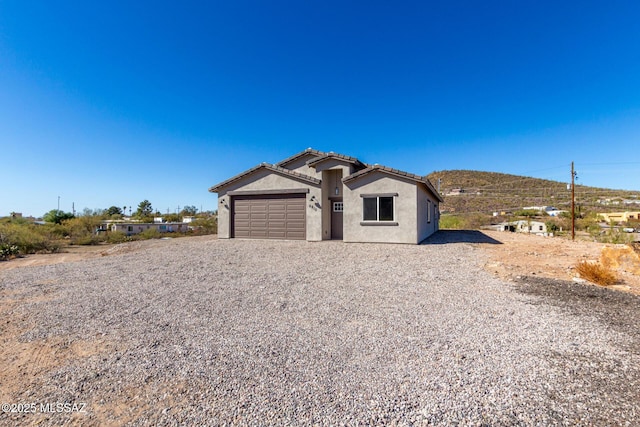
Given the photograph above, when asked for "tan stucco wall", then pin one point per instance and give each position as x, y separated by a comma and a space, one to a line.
300, 166
405, 210
268, 180
424, 227
330, 163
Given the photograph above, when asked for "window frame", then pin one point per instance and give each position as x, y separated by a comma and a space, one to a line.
377, 198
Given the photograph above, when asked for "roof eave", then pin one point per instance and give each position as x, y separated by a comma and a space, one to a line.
273, 168
396, 173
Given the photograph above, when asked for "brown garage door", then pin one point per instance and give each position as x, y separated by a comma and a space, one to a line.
269, 217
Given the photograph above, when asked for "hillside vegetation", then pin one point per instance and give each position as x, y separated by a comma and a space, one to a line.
488, 192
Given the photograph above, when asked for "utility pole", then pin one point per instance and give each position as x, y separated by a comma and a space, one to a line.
573, 203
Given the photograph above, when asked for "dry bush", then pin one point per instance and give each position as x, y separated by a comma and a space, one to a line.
596, 273
621, 258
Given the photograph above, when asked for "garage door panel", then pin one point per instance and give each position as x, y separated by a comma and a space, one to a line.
270, 217
295, 216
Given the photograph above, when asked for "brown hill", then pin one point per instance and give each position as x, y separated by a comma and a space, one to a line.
467, 191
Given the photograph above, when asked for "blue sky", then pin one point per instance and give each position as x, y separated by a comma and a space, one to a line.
115, 102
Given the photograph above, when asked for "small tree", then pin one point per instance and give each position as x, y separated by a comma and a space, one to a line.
57, 217
189, 211
145, 211
114, 210
172, 218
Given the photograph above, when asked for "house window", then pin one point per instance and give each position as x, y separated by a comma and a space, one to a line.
377, 208
429, 211
338, 207
130, 228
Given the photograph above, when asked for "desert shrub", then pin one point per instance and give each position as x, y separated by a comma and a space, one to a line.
451, 222
82, 230
87, 239
29, 238
615, 236
552, 226
116, 237
150, 233
596, 273
205, 225
8, 251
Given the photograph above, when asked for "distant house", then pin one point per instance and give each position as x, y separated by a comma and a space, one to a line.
522, 226
455, 192
131, 228
619, 216
315, 196
549, 210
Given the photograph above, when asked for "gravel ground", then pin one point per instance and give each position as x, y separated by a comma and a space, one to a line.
232, 332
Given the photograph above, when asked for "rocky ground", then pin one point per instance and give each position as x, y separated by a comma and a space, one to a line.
204, 331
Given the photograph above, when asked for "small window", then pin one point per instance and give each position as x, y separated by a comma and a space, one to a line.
429, 211
540, 227
370, 208
338, 206
130, 228
377, 209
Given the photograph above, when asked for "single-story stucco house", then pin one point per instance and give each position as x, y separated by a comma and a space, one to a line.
316, 196
522, 226
131, 228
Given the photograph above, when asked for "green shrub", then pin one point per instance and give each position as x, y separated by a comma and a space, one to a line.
82, 230
87, 239
451, 222
205, 225
150, 233
117, 237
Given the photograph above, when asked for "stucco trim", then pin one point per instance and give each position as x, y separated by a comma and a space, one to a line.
378, 223
380, 195
259, 192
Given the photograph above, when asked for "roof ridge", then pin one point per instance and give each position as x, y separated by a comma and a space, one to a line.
300, 154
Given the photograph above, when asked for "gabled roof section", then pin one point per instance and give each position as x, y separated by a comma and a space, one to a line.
270, 167
395, 172
331, 155
308, 151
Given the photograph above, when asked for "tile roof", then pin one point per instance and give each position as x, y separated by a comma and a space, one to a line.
268, 166
332, 155
396, 172
300, 154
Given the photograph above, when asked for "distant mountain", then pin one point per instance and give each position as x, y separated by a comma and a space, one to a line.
467, 191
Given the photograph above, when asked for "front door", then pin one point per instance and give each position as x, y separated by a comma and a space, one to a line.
336, 219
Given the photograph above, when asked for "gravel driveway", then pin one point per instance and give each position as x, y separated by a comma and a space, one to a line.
220, 332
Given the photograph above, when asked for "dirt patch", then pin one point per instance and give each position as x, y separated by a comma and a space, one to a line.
81, 253
68, 254
25, 363
554, 257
